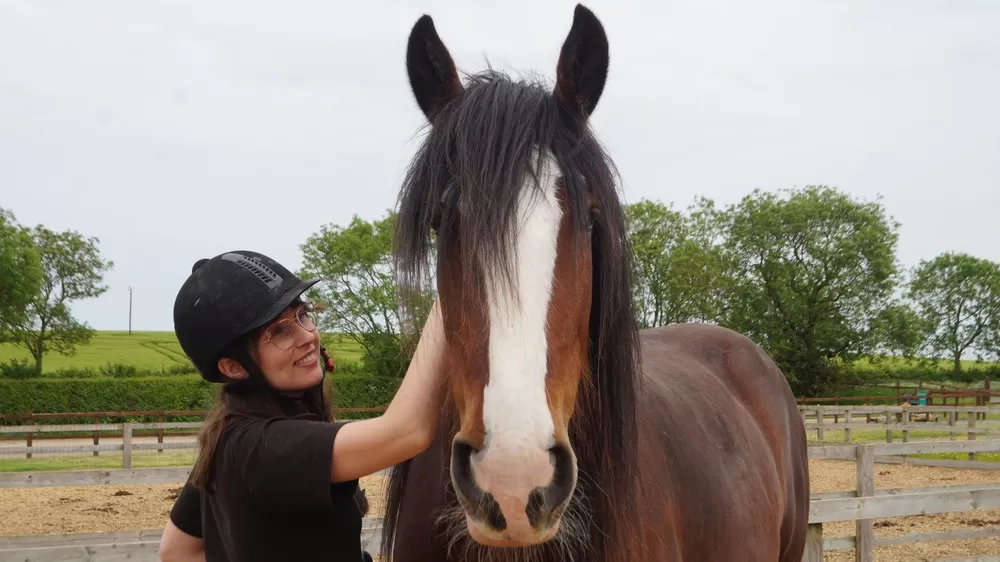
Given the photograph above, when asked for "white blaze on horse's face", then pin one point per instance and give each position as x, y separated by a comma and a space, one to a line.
518, 424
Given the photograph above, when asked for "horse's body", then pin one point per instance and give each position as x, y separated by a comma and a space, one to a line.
722, 473
570, 434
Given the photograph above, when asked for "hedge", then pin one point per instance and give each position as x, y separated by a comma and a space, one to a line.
149, 393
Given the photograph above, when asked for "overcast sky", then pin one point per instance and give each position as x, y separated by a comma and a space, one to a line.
256, 122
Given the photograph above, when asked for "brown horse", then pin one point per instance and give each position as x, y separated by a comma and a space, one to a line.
569, 434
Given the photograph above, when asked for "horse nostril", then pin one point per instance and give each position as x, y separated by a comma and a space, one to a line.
461, 459
470, 494
545, 504
565, 469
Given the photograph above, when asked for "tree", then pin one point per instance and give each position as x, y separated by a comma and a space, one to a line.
20, 270
677, 270
900, 330
359, 290
958, 297
810, 270
72, 270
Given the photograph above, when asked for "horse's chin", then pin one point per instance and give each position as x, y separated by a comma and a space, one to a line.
502, 539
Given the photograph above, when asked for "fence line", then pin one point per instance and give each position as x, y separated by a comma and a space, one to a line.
980, 396
903, 418
862, 506
901, 421
867, 503
137, 546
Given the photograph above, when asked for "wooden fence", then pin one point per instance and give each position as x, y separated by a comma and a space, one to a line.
862, 505
126, 447
891, 418
945, 419
932, 397
865, 503
135, 546
157, 427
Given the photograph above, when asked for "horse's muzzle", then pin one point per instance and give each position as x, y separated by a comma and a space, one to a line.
504, 511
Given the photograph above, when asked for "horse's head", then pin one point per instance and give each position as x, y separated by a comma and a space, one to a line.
521, 197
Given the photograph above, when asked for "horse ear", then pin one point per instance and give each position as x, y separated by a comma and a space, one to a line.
433, 76
582, 69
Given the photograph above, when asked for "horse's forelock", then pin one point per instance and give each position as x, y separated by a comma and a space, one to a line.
473, 163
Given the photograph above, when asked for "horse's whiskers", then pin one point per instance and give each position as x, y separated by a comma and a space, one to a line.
573, 536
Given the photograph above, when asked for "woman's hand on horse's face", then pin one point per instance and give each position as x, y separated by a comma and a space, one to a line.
409, 424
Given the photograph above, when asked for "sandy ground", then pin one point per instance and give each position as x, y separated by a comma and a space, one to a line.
25, 511
89, 509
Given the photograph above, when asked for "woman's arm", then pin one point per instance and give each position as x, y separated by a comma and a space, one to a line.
178, 546
409, 424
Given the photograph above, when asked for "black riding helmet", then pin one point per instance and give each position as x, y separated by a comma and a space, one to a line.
224, 298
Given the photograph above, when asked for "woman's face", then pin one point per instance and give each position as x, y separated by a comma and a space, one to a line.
288, 350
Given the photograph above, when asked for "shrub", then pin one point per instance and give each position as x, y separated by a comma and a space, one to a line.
18, 369
154, 393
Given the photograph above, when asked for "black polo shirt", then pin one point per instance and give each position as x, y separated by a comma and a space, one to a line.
273, 498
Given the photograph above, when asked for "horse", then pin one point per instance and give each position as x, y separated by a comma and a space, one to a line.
568, 434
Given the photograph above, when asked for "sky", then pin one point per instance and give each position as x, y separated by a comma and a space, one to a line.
177, 130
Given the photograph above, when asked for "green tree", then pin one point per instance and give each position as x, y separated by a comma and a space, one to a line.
359, 290
677, 269
73, 269
900, 331
958, 298
20, 270
810, 272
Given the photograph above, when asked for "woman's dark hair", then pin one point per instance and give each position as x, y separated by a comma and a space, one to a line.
239, 403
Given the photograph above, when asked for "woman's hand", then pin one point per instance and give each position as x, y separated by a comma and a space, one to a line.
409, 424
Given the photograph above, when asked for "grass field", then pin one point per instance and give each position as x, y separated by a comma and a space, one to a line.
160, 350
899, 363
146, 350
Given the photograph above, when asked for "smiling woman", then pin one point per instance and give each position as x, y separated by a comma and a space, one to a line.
276, 478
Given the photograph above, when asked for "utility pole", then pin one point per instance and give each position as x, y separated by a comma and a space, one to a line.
130, 310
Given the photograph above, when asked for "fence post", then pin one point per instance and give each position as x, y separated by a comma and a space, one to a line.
864, 546
888, 425
847, 431
159, 432
820, 435
972, 435
906, 422
126, 445
31, 421
814, 543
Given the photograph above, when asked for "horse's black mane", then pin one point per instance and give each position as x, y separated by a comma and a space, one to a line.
463, 184
473, 164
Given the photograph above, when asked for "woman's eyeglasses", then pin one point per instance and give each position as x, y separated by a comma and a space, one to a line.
282, 333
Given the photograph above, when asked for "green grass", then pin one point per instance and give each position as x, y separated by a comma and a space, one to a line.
158, 350
140, 459
146, 350
891, 363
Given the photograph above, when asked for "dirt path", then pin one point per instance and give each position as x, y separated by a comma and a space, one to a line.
78, 509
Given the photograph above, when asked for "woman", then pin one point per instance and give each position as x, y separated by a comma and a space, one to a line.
276, 478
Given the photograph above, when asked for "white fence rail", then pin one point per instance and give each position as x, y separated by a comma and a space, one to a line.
135, 546
862, 505
893, 419
866, 503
